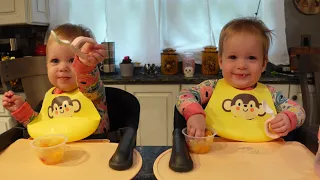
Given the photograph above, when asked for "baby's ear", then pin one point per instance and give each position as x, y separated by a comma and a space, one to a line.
265, 63
220, 61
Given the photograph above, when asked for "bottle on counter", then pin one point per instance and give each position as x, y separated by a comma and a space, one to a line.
109, 62
188, 64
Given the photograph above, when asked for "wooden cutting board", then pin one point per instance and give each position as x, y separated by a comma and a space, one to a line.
244, 161
82, 161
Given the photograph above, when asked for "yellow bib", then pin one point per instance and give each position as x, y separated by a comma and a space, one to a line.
71, 114
238, 114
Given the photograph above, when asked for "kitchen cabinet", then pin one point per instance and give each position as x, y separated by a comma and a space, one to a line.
24, 12
296, 95
6, 121
156, 113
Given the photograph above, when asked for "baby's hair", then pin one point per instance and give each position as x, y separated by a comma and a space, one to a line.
247, 25
70, 32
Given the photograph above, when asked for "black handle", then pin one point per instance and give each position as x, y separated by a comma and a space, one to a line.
294, 97
122, 159
10, 136
180, 160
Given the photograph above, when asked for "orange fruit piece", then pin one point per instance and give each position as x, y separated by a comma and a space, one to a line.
208, 133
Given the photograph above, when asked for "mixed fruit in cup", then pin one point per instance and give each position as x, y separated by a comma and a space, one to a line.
200, 145
50, 149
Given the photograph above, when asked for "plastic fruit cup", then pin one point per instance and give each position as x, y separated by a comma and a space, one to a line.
50, 149
200, 145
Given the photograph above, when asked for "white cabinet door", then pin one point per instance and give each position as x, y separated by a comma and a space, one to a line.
283, 88
156, 113
13, 11
295, 94
39, 11
6, 123
187, 86
24, 12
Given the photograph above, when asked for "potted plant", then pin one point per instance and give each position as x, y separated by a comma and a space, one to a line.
126, 67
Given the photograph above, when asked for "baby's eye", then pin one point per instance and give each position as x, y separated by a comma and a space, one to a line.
71, 60
54, 61
232, 57
252, 57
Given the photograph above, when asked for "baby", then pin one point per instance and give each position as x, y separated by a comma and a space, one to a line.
67, 72
238, 97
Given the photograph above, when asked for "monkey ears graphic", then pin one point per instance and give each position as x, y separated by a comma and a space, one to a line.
245, 100
63, 102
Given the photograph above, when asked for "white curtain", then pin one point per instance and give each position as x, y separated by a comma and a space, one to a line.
142, 28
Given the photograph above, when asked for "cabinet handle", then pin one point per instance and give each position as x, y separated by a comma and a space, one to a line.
294, 97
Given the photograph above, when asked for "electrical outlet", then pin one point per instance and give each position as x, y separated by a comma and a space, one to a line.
305, 40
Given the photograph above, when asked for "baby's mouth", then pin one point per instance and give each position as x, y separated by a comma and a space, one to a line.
245, 110
241, 75
64, 78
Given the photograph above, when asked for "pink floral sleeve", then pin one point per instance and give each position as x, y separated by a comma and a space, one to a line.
292, 109
190, 101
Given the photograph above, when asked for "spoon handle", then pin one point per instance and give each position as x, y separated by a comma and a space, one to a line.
78, 52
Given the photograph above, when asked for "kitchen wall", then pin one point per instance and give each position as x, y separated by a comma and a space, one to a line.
298, 23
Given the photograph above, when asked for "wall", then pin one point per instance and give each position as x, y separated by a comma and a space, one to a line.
298, 23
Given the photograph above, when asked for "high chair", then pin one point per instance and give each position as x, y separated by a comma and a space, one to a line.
33, 74
180, 160
124, 114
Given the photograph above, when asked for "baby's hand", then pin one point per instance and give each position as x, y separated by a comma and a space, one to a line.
281, 124
96, 54
196, 125
12, 102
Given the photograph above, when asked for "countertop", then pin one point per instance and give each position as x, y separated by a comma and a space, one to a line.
198, 78
266, 78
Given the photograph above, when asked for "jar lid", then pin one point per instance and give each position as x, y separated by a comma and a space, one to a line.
169, 50
210, 48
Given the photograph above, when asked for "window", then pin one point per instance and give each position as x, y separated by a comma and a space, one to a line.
142, 28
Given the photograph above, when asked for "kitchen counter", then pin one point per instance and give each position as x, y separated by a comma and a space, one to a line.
180, 79
266, 78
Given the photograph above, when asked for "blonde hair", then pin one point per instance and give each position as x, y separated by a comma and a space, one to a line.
248, 25
71, 31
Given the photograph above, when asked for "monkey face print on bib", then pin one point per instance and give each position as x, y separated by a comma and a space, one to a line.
71, 114
238, 114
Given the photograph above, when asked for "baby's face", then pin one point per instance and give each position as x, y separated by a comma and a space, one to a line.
59, 65
242, 60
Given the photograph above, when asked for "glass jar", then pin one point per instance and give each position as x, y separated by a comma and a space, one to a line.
210, 64
188, 64
169, 62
